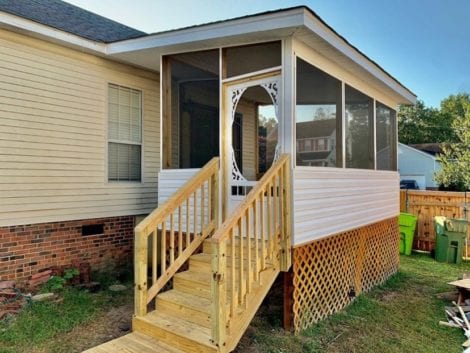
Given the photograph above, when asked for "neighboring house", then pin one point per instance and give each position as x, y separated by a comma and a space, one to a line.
101, 124
419, 162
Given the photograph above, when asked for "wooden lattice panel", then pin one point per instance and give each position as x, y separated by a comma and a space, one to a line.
328, 272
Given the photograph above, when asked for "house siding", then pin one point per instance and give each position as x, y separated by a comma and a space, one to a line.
328, 201
417, 165
53, 136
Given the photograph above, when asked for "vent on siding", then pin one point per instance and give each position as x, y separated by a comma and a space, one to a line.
92, 229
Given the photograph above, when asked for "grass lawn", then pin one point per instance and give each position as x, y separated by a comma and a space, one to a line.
401, 316
60, 327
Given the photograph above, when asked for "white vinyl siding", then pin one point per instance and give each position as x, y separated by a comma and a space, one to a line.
124, 133
328, 201
53, 135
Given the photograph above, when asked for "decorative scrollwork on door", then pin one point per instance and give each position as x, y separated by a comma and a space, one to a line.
273, 89
236, 174
235, 96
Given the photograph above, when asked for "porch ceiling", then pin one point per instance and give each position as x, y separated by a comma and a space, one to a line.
299, 22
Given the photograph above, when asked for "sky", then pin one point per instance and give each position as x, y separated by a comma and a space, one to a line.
424, 44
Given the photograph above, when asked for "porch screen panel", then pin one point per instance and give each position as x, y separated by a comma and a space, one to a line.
386, 138
318, 117
359, 129
193, 109
251, 58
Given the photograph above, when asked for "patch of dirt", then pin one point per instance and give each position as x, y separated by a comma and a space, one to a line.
112, 324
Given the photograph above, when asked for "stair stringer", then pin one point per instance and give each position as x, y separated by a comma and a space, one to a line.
254, 301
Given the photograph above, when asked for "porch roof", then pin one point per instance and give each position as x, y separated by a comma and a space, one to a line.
300, 22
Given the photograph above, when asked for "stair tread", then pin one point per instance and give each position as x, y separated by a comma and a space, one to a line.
134, 342
187, 300
199, 277
180, 327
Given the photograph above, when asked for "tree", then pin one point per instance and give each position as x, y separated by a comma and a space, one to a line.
455, 159
421, 124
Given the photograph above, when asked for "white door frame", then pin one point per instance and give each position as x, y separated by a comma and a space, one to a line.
232, 92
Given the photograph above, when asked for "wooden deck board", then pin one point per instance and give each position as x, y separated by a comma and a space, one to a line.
134, 343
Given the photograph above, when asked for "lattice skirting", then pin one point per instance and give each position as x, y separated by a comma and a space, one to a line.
328, 273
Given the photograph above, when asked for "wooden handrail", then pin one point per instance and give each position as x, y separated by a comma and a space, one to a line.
221, 233
180, 195
198, 198
256, 234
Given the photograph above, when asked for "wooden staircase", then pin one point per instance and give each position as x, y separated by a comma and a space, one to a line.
230, 268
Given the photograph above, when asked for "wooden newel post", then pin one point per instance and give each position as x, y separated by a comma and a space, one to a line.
140, 274
286, 257
218, 289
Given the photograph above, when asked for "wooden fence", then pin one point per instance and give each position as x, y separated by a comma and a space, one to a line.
428, 204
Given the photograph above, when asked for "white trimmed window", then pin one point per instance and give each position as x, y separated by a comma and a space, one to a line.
124, 134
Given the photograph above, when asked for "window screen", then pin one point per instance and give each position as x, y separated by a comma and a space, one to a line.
124, 134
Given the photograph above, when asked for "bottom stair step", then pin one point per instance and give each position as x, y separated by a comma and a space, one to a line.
134, 342
184, 335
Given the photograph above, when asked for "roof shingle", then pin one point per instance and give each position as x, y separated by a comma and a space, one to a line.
71, 19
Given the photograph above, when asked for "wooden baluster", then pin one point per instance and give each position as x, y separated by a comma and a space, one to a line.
154, 256
188, 233
195, 213
275, 220
262, 211
269, 219
209, 200
172, 239
215, 198
255, 237
180, 231
202, 208
163, 249
240, 269
233, 297
281, 216
248, 250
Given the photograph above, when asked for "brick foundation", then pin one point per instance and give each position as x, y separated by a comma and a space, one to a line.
28, 249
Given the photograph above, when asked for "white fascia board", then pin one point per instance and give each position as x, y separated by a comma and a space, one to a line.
34, 29
319, 28
271, 22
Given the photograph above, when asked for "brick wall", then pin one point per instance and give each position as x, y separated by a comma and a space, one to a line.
27, 249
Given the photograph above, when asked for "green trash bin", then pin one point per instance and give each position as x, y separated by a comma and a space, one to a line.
407, 223
450, 239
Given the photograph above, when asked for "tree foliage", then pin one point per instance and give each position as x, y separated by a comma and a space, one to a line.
448, 125
455, 159
421, 124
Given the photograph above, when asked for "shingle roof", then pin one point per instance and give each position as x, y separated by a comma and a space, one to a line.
71, 19
315, 128
431, 148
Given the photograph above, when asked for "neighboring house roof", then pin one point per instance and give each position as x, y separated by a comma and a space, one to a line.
69, 18
404, 147
431, 148
315, 128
